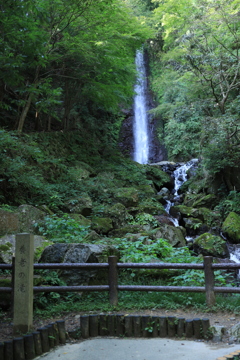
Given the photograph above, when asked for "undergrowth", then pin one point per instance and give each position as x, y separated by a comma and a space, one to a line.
140, 301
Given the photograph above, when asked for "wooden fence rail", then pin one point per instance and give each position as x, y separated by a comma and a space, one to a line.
113, 287
22, 288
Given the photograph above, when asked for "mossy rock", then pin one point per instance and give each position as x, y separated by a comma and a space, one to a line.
159, 177
82, 220
81, 205
231, 227
92, 237
28, 216
102, 225
118, 214
151, 207
78, 173
146, 191
128, 196
6, 252
207, 201
129, 229
7, 247
170, 233
204, 214
211, 245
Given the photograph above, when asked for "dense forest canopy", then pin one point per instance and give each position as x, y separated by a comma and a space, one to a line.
69, 65
196, 78
60, 59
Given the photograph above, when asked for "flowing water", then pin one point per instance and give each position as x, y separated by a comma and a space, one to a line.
180, 176
140, 129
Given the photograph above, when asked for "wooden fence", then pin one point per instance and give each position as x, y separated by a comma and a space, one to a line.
22, 288
113, 287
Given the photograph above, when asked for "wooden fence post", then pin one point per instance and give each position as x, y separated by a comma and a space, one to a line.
209, 281
23, 283
113, 280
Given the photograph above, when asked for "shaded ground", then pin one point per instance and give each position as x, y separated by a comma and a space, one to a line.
72, 320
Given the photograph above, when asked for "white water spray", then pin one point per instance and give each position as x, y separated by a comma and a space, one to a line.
140, 131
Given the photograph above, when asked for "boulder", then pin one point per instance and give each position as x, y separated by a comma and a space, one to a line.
82, 220
128, 229
102, 225
8, 222
235, 331
164, 192
151, 207
128, 196
78, 253
192, 225
7, 247
211, 245
118, 214
159, 177
202, 213
207, 201
231, 227
81, 205
78, 173
28, 216
163, 219
170, 233
23, 219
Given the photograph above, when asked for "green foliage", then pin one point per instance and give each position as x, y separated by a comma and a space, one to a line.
195, 79
62, 229
61, 59
197, 278
145, 219
230, 203
142, 250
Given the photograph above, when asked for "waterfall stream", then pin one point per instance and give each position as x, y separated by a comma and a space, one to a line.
140, 129
180, 176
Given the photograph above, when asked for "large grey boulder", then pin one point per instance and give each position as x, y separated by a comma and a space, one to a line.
78, 253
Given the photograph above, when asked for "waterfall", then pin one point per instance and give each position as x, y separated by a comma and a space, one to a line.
180, 176
140, 128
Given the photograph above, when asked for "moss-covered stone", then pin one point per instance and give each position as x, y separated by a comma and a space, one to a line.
128, 196
28, 216
173, 234
202, 213
159, 177
151, 207
82, 220
102, 225
92, 237
81, 205
129, 229
231, 227
118, 214
8, 222
78, 173
206, 201
211, 245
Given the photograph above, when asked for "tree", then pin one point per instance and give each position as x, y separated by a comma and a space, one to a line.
60, 57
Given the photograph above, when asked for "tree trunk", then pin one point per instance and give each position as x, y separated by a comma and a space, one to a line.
24, 113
